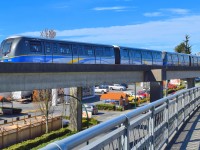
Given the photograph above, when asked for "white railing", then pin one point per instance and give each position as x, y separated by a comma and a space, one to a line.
149, 127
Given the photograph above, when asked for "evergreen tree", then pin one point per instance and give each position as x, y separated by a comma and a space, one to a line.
184, 47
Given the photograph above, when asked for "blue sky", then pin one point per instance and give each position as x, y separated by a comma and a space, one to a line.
155, 24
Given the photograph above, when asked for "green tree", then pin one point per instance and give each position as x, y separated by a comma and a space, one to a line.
184, 47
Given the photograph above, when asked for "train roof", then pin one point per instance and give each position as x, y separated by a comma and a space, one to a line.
142, 49
179, 53
57, 40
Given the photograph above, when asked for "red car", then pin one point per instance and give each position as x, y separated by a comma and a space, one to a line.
143, 94
171, 86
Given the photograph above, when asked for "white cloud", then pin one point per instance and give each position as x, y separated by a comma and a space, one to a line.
160, 35
153, 14
115, 8
178, 11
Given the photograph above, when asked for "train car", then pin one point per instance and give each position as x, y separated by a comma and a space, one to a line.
176, 59
27, 49
194, 60
140, 56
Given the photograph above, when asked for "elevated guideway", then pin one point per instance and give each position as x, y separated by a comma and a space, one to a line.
29, 76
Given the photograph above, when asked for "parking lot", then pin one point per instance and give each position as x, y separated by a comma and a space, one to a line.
31, 108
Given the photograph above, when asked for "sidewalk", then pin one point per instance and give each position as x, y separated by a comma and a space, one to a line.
189, 135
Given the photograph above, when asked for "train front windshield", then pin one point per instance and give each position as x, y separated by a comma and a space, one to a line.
6, 46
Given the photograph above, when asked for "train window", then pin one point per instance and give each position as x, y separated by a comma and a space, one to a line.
81, 51
149, 55
55, 50
6, 46
64, 49
175, 57
125, 53
137, 54
169, 57
146, 55
1, 47
181, 59
186, 58
107, 51
98, 51
156, 55
90, 52
77, 50
48, 48
35, 46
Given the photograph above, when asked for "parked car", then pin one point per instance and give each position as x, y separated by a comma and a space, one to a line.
171, 86
197, 79
143, 94
131, 96
101, 89
124, 84
117, 87
90, 108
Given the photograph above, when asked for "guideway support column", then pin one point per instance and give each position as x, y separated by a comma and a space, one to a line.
190, 83
156, 91
76, 109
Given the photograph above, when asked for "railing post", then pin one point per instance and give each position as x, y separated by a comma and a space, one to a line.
183, 105
167, 120
126, 136
176, 110
152, 128
190, 97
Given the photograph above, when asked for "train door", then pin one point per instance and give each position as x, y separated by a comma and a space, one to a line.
65, 53
186, 60
48, 53
108, 56
75, 53
36, 52
175, 59
147, 58
98, 54
88, 56
125, 59
157, 58
135, 57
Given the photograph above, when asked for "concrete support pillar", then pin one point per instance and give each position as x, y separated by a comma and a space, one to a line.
156, 91
54, 97
66, 92
190, 83
76, 109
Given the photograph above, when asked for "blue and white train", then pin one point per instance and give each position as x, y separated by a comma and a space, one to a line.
28, 49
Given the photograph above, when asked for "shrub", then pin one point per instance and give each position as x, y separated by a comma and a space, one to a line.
120, 108
29, 144
106, 106
92, 122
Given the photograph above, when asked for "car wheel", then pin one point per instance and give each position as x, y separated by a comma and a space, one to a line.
121, 89
102, 92
111, 88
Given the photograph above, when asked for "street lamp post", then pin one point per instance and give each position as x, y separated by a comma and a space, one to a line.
81, 104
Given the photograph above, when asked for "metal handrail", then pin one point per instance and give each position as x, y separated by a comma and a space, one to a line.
146, 131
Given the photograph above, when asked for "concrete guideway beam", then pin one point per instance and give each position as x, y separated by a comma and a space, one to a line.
181, 74
30, 81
